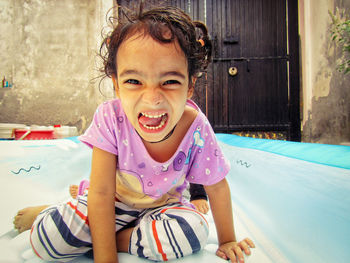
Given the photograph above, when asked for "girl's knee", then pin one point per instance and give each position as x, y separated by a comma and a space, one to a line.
58, 235
196, 230
170, 235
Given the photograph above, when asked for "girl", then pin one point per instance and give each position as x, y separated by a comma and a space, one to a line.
148, 144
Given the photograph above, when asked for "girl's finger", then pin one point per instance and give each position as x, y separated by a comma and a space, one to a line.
239, 254
205, 208
232, 256
250, 242
228, 254
245, 246
221, 254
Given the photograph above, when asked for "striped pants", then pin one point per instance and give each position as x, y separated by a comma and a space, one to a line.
61, 232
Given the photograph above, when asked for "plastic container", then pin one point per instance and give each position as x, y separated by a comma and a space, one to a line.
64, 131
35, 133
7, 130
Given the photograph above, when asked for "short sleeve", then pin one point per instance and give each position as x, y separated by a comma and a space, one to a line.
101, 133
208, 165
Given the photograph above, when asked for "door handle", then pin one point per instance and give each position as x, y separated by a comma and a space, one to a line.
232, 71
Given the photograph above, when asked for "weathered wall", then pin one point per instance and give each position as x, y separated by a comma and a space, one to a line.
48, 50
326, 92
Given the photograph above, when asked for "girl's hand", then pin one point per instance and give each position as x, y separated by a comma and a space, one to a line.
234, 250
201, 205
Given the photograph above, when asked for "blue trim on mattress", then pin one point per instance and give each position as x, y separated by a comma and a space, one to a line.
74, 139
331, 155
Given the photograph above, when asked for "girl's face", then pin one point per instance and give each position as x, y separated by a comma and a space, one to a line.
153, 85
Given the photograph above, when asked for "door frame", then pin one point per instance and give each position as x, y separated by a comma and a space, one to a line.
294, 70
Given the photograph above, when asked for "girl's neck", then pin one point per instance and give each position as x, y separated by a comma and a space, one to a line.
167, 136
162, 151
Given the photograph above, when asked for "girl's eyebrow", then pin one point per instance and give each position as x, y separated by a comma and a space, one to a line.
130, 72
162, 74
173, 73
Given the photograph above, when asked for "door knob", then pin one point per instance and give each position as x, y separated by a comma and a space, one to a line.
232, 71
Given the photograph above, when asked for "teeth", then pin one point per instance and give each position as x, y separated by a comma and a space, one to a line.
153, 116
156, 127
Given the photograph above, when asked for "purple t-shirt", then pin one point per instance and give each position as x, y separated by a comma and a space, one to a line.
142, 182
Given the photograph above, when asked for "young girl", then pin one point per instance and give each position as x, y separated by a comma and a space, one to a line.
147, 146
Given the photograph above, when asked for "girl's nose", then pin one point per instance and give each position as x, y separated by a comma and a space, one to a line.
152, 96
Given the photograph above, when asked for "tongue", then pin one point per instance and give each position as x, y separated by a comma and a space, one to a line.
150, 121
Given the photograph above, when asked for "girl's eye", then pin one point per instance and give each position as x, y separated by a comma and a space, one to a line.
133, 82
171, 82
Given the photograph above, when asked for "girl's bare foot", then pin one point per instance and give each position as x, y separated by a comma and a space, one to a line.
73, 191
25, 217
201, 205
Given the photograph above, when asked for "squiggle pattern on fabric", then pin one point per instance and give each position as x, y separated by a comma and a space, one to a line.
27, 171
243, 163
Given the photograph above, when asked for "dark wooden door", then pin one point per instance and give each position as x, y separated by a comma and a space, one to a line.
251, 38
257, 42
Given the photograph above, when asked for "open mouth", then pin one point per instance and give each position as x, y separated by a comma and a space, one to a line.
152, 122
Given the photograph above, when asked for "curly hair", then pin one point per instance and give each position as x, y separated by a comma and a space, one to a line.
192, 36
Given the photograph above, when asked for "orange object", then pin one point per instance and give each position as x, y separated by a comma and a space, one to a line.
21, 134
201, 41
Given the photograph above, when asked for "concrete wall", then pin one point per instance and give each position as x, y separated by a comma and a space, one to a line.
325, 91
48, 51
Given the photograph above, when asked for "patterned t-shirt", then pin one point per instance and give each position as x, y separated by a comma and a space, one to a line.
142, 182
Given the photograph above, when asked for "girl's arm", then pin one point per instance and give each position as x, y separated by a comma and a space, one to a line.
101, 206
220, 204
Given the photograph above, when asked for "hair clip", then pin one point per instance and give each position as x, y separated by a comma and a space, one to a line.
201, 41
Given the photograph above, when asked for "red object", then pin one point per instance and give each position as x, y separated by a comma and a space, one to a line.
21, 134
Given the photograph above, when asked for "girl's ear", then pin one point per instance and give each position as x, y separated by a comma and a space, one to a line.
191, 87
115, 84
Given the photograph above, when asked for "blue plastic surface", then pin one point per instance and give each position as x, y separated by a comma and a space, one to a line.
332, 155
292, 199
